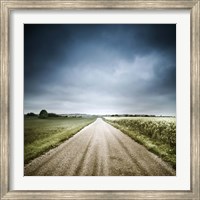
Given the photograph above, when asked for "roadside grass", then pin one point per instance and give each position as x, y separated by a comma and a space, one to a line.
157, 134
41, 135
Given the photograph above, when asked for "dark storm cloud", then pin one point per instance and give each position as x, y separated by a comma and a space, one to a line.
100, 68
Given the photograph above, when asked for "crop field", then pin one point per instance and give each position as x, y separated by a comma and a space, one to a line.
157, 134
40, 135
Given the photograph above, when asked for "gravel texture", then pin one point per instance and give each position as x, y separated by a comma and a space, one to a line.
98, 150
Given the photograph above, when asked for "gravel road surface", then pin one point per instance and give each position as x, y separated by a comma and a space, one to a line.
98, 150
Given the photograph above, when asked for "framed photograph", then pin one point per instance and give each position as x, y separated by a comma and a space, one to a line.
100, 99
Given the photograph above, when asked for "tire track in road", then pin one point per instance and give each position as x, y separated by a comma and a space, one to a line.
99, 150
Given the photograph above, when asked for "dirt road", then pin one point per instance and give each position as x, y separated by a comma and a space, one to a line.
98, 150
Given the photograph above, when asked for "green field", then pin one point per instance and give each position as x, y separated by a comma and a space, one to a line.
40, 135
157, 134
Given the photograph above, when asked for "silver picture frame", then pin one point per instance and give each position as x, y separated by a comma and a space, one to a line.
7, 6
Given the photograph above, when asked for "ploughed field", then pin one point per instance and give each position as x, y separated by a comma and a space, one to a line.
41, 135
157, 134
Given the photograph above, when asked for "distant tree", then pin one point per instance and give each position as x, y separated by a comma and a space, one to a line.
43, 114
52, 115
31, 114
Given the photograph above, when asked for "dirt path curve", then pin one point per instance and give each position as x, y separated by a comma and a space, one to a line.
98, 150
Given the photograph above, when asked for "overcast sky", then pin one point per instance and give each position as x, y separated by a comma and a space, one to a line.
100, 69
